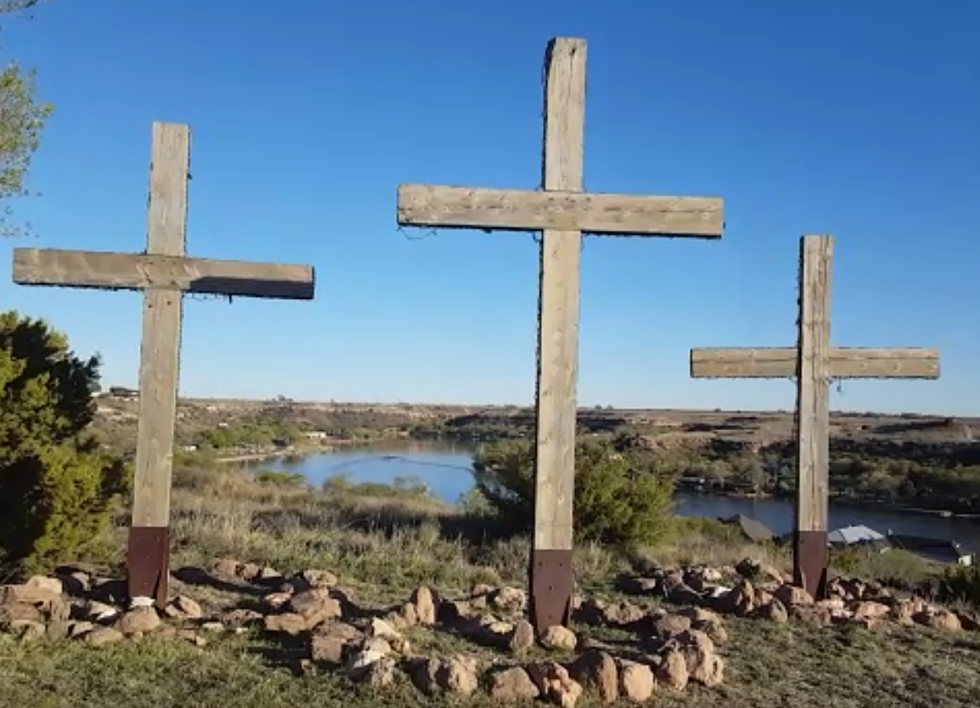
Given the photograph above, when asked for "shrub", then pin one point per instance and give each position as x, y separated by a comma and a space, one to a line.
961, 584
617, 501
56, 488
280, 478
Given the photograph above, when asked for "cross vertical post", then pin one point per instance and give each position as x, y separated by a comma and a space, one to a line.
163, 273
550, 572
813, 416
814, 362
149, 538
562, 212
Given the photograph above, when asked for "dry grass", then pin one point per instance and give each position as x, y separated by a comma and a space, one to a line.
383, 547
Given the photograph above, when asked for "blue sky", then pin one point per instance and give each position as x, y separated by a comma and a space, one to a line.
819, 117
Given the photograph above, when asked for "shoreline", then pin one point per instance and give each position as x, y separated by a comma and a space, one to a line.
332, 446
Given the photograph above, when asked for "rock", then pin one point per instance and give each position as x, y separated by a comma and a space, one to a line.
425, 604
522, 638
834, 604
102, 635
19, 612
139, 619
267, 575
554, 684
286, 623
315, 606
96, 611
703, 664
226, 568
558, 638
970, 621
57, 630
241, 618
868, 610
597, 670
456, 675
187, 607
666, 626
27, 594
775, 611
511, 684
636, 682
673, 672
791, 595
380, 628
277, 601
622, 613
331, 640
903, 612
79, 629
507, 599
372, 667
939, 619
50, 585
317, 579
212, 627
816, 615
740, 601
27, 630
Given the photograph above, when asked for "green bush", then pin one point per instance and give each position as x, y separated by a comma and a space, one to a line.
961, 584
280, 478
56, 489
618, 501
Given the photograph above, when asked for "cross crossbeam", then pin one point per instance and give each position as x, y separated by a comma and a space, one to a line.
813, 362
163, 273
562, 212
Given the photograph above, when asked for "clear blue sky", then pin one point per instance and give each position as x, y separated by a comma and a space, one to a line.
860, 119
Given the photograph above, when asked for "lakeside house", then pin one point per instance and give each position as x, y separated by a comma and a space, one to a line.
857, 536
750, 528
936, 549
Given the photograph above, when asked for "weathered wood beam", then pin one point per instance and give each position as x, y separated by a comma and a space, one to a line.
558, 209
813, 416
552, 576
133, 271
844, 363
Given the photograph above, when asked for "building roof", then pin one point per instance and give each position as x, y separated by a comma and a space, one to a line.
849, 535
753, 530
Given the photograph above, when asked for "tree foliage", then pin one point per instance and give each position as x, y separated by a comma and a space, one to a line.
56, 487
22, 118
618, 500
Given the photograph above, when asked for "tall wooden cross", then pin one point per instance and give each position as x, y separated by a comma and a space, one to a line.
163, 273
562, 212
814, 362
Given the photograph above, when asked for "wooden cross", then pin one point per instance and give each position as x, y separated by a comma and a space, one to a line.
813, 362
562, 212
163, 273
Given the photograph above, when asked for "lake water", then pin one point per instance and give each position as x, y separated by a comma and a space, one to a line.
446, 468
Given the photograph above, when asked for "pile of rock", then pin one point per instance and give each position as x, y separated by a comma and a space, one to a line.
752, 589
377, 646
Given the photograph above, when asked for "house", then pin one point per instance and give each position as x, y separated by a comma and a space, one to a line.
936, 549
753, 530
315, 435
122, 392
857, 536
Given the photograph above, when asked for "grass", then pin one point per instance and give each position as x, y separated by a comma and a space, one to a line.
383, 544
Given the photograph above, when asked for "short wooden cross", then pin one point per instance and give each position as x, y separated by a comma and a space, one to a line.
562, 212
814, 362
163, 273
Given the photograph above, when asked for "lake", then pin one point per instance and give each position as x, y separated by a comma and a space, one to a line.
446, 468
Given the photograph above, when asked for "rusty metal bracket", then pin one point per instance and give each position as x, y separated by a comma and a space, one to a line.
552, 584
810, 558
148, 563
